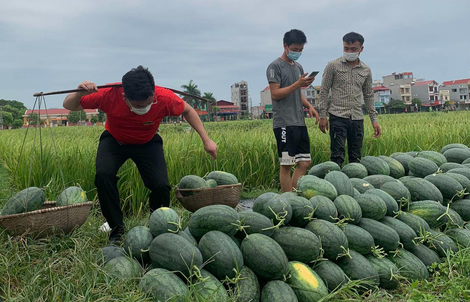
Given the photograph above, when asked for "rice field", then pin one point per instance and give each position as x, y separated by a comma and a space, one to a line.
246, 148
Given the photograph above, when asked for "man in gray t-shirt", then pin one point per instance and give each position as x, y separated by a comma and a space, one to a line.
286, 78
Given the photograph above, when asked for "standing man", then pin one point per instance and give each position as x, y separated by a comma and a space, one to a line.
350, 81
286, 78
134, 112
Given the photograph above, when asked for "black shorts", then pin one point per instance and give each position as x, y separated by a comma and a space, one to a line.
293, 144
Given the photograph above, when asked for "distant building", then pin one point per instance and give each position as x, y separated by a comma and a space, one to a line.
381, 98
257, 111
459, 93
427, 92
56, 117
239, 96
377, 83
227, 110
400, 86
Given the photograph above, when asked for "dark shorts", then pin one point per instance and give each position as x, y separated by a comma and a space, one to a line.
293, 144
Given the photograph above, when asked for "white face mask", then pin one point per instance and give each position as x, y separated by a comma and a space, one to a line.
351, 56
141, 111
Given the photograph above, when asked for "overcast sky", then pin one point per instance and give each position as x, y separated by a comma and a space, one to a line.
52, 45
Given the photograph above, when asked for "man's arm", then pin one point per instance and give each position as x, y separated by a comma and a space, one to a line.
72, 100
312, 112
326, 83
368, 93
278, 93
193, 119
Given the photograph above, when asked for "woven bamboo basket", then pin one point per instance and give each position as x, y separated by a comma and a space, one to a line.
228, 195
48, 220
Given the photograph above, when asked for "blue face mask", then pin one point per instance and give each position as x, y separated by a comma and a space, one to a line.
294, 56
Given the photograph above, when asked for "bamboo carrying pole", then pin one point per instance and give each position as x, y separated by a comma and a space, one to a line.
38, 94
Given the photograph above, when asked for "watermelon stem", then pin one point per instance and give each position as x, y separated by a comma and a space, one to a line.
240, 226
310, 217
378, 252
178, 226
345, 253
279, 217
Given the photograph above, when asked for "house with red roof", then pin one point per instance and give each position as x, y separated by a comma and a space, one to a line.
56, 116
427, 92
458, 91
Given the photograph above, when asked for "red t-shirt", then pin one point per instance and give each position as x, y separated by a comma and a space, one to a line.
126, 126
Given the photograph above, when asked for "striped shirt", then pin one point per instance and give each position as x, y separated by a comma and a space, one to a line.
349, 86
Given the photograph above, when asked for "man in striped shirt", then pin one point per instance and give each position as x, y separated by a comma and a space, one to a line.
350, 82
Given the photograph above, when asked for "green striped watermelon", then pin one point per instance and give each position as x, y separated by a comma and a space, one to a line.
348, 208
316, 186
208, 288
387, 271
375, 165
174, 253
396, 168
372, 206
405, 232
434, 156
123, 268
422, 167
384, 236
225, 255
322, 169
164, 285
163, 220
247, 288
273, 206
264, 256
307, 285
409, 266
254, 223
324, 208
331, 274
357, 267
341, 183
215, 217
333, 241
431, 211
454, 145
278, 291
359, 239
355, 170
299, 244
361, 185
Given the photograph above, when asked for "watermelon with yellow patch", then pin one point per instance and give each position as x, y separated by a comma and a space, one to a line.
307, 285
71, 195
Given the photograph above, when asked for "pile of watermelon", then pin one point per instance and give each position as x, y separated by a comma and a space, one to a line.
380, 221
33, 198
213, 179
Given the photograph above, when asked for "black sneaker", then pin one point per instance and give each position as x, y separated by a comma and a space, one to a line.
116, 235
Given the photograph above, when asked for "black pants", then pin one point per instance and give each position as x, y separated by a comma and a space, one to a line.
342, 129
150, 161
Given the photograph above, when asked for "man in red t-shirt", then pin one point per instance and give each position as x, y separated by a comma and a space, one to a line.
134, 112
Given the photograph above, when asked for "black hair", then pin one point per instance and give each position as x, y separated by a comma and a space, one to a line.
138, 84
352, 37
294, 36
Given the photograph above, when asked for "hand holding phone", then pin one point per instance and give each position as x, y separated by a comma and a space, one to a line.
313, 74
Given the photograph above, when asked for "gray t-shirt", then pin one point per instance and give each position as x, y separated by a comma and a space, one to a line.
289, 110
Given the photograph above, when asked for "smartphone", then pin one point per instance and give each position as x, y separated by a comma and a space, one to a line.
314, 73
